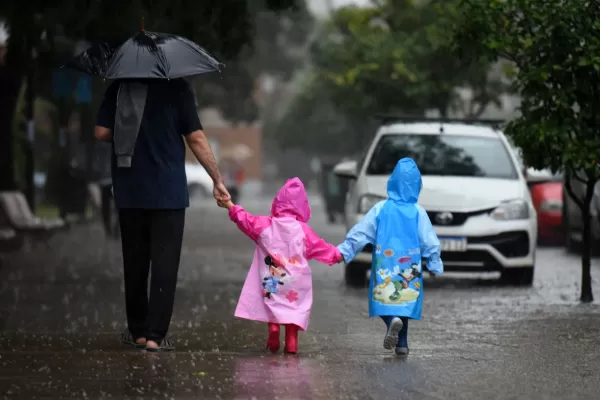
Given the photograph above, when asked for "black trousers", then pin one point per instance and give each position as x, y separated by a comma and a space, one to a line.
151, 241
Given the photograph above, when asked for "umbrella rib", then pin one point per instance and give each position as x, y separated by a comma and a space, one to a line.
162, 57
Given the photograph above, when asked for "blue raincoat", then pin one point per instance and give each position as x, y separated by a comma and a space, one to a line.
401, 234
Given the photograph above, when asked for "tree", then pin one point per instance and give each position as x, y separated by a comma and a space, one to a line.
277, 50
394, 56
224, 27
555, 47
312, 123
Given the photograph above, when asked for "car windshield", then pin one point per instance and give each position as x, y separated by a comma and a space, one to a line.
444, 155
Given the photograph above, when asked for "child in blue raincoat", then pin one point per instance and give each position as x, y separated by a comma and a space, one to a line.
402, 236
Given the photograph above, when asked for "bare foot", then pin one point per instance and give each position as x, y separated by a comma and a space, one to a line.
152, 344
141, 341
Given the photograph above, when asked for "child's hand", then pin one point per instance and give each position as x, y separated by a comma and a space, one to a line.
225, 204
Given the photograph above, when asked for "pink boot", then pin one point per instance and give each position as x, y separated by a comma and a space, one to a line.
291, 339
273, 341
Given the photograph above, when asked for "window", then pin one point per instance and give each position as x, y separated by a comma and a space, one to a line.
444, 155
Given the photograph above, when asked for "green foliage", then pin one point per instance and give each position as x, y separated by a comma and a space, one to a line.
555, 47
277, 49
226, 28
223, 27
391, 56
394, 56
311, 122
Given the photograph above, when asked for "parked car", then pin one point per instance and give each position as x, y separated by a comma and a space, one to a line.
200, 186
572, 219
333, 190
548, 202
473, 191
547, 195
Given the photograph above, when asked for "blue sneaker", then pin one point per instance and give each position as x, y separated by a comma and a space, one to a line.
391, 337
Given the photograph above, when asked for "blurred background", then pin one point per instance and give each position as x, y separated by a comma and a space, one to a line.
302, 80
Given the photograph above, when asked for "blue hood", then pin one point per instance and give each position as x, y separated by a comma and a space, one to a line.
405, 183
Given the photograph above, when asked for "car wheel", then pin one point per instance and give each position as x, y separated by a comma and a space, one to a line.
522, 276
356, 274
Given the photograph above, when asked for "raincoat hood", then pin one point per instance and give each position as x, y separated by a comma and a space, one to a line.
405, 183
291, 201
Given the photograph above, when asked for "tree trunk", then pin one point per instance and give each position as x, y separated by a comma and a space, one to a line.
11, 76
586, 252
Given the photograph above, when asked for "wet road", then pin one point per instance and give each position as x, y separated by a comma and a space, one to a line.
60, 314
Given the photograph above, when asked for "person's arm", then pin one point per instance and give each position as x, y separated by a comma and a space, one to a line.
318, 249
429, 244
251, 225
361, 234
191, 129
103, 134
200, 146
105, 122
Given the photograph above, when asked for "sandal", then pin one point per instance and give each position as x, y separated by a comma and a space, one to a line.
127, 338
163, 345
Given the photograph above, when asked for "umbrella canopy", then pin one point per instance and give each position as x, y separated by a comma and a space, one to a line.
146, 55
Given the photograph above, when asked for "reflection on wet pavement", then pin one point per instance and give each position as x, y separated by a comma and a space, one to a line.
60, 315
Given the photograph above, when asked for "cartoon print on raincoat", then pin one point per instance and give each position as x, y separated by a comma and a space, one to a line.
285, 238
396, 286
275, 276
403, 230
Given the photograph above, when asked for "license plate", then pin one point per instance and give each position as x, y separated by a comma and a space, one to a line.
454, 244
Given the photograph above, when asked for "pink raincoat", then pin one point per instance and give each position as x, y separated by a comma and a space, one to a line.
281, 293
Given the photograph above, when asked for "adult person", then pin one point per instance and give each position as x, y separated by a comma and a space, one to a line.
151, 195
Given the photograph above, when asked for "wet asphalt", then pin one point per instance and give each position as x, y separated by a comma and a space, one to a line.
61, 312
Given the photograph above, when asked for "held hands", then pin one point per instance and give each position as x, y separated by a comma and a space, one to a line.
220, 193
225, 204
340, 258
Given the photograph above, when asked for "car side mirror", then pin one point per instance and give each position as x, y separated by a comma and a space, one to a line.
346, 170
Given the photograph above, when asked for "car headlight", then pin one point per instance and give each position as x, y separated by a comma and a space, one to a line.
510, 210
551, 206
367, 201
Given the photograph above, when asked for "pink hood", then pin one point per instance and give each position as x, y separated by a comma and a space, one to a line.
291, 201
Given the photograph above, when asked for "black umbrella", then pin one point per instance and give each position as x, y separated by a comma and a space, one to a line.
146, 55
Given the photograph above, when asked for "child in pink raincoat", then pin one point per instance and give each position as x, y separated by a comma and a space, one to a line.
278, 288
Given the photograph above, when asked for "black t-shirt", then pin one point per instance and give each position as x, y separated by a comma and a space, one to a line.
156, 179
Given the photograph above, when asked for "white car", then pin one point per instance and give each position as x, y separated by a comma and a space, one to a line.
473, 191
200, 185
